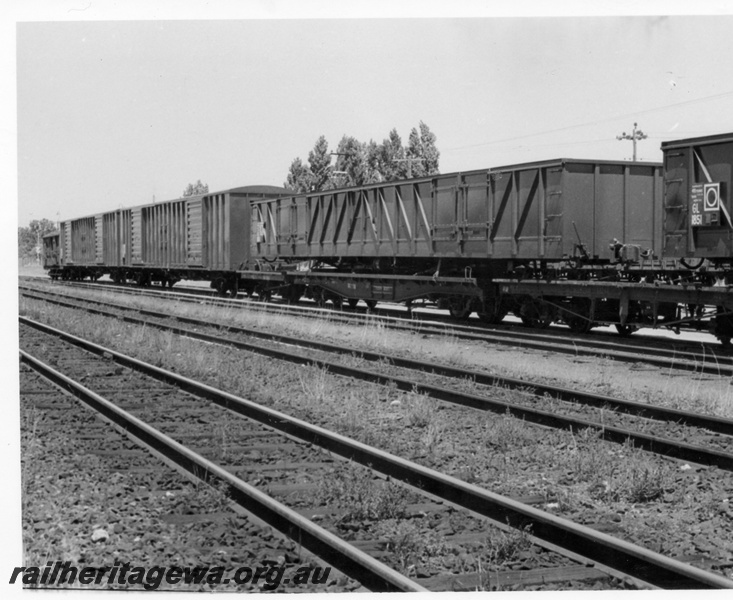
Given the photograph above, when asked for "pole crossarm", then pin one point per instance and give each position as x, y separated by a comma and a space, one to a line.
636, 134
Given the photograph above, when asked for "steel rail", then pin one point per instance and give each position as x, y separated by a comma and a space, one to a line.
623, 352
614, 553
625, 348
652, 443
614, 344
347, 558
640, 409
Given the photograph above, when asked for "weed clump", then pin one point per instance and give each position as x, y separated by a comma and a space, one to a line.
361, 497
503, 547
617, 474
420, 411
411, 544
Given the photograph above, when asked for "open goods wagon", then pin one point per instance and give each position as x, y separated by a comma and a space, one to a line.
491, 220
449, 237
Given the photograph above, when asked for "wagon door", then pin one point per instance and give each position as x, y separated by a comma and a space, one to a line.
111, 236
215, 228
474, 221
125, 237
448, 208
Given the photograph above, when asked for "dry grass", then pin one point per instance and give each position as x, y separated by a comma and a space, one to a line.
616, 473
412, 544
352, 489
373, 414
502, 547
702, 393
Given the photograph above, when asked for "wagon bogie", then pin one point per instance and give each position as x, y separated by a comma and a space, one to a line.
226, 284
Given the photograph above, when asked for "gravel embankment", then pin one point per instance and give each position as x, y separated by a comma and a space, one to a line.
92, 498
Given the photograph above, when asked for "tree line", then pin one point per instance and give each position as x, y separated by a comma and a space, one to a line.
360, 163
30, 239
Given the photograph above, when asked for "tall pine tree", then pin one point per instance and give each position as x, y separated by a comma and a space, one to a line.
359, 163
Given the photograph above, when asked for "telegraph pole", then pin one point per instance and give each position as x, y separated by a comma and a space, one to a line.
635, 135
409, 162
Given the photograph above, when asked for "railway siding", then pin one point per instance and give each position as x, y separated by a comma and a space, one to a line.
549, 503
167, 409
477, 389
693, 357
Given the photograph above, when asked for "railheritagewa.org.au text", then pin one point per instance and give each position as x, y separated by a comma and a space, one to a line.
268, 577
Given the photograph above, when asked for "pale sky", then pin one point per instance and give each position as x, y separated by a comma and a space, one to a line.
116, 113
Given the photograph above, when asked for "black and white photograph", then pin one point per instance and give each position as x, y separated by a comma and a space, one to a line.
319, 297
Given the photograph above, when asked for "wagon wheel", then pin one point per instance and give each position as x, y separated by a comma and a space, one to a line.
292, 294
460, 308
337, 302
319, 297
723, 327
233, 288
535, 314
579, 322
460, 314
494, 312
352, 302
625, 330
221, 287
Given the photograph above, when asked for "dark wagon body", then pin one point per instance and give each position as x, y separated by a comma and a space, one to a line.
491, 219
200, 237
698, 184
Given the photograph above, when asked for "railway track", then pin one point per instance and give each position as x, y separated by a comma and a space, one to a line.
679, 434
698, 358
350, 560
608, 554
152, 510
